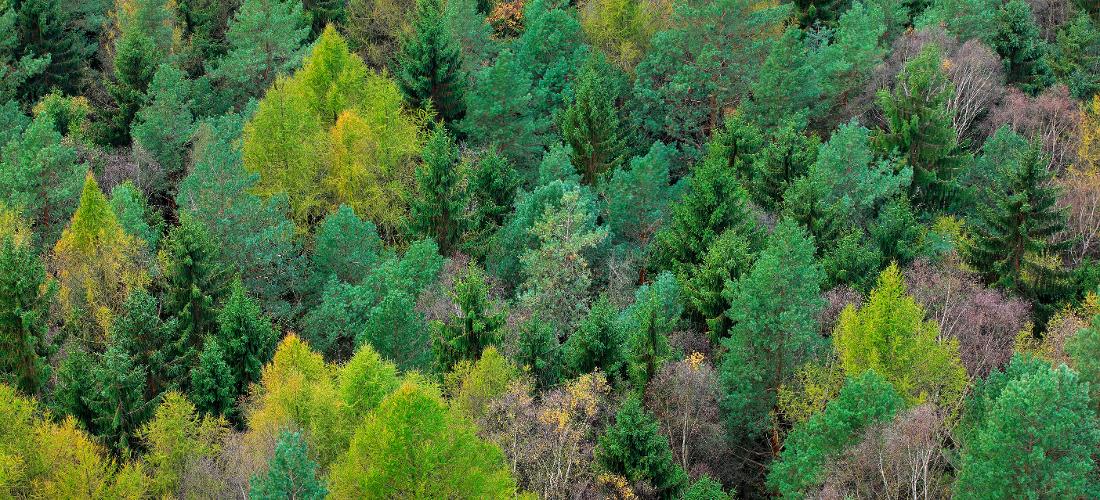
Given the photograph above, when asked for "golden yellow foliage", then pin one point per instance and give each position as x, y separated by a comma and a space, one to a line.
1088, 151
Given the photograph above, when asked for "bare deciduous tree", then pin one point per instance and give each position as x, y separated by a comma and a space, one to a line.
684, 398
1052, 116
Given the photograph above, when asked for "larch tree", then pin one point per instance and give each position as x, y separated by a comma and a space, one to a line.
429, 66
96, 263
891, 336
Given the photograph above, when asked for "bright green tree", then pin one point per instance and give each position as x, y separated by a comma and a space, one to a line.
890, 335
436, 211
1029, 431
773, 313
635, 447
266, 39
136, 216
413, 445
590, 125
176, 438
291, 473
429, 66
97, 264
364, 381
801, 467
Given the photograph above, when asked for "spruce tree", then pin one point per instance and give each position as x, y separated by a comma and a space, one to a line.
492, 190
1016, 38
429, 65
245, 336
437, 210
648, 322
42, 30
1015, 224
598, 343
195, 279
25, 296
291, 473
212, 383
477, 327
635, 447
591, 126
153, 343
117, 401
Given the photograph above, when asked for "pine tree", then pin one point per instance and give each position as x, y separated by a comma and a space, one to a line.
245, 336
163, 127
429, 65
291, 473
437, 210
40, 174
98, 265
266, 39
212, 383
1015, 223
590, 125
1029, 431
635, 447
195, 279
25, 296
499, 112
787, 87
346, 248
15, 68
136, 216
919, 128
773, 313
396, 329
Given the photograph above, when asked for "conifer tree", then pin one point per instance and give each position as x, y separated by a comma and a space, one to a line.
153, 343
919, 128
492, 190
773, 313
478, 326
1016, 38
785, 157
539, 352
1015, 223
98, 265
245, 336
635, 447
195, 279
144, 38
42, 31
40, 175
1029, 431
598, 343
291, 473
429, 65
437, 210
136, 216
266, 39
499, 112
25, 296
648, 322
117, 399
212, 382
591, 125
163, 127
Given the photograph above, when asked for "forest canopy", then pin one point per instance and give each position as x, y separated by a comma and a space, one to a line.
667, 249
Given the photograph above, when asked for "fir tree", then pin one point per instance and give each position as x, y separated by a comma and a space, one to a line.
1015, 224
212, 382
195, 279
291, 473
25, 296
436, 211
635, 447
245, 336
591, 126
429, 65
